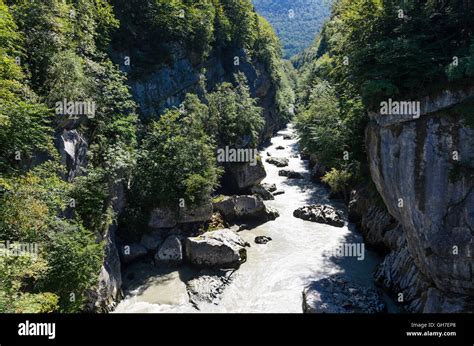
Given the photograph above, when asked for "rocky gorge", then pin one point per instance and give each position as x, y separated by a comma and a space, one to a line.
257, 250
417, 271
427, 264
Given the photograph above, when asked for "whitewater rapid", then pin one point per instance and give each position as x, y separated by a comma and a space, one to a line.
275, 274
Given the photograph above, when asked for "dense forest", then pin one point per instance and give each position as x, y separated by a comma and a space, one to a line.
369, 52
296, 22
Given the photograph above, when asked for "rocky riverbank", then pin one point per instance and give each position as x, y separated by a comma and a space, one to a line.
260, 258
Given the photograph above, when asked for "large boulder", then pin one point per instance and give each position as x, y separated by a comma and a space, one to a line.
290, 174
320, 213
216, 249
170, 252
278, 161
337, 294
242, 176
263, 193
244, 208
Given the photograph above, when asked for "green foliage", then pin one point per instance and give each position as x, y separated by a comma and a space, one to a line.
69, 255
234, 118
149, 27
24, 131
296, 32
52, 33
394, 57
10, 38
74, 259
321, 126
113, 130
16, 274
66, 78
242, 22
30, 202
66, 43
90, 194
338, 180
177, 161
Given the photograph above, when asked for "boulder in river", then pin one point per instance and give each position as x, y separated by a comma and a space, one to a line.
287, 137
290, 174
243, 208
170, 253
242, 176
262, 239
280, 147
278, 161
208, 286
337, 294
263, 193
320, 213
216, 249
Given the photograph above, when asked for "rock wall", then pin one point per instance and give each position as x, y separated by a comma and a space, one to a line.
423, 169
167, 86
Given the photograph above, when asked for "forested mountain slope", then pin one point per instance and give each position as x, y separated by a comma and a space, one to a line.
296, 22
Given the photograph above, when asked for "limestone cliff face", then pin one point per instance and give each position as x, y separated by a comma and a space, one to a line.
167, 86
423, 169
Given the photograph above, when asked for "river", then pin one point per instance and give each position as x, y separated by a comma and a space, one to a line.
274, 275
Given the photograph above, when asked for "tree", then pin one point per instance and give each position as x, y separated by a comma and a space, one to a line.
235, 119
320, 125
177, 162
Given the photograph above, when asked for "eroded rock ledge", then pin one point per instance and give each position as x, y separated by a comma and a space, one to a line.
423, 170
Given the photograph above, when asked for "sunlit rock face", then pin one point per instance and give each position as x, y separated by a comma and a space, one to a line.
423, 169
